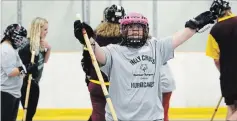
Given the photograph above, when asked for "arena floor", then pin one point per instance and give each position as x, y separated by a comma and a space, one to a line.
176, 114
170, 120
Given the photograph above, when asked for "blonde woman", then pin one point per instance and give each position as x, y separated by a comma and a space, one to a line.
107, 32
38, 43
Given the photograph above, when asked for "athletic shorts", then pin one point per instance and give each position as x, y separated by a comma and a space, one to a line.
230, 100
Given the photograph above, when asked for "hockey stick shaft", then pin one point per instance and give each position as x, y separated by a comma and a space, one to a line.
218, 104
98, 72
28, 88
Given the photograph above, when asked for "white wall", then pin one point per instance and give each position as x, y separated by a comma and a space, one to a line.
171, 16
63, 85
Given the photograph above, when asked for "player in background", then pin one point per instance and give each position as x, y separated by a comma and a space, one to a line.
221, 46
38, 43
12, 70
107, 32
168, 86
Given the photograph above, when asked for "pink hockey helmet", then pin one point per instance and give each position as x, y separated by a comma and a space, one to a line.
130, 19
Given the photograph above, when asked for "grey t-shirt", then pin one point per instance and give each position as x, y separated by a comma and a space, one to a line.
167, 80
10, 60
135, 79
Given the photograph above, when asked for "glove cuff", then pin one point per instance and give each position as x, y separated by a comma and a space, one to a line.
192, 24
22, 70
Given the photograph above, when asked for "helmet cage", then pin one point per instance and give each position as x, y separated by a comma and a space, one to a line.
134, 42
219, 7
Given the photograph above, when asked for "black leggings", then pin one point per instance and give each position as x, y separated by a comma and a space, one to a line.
33, 99
9, 107
231, 100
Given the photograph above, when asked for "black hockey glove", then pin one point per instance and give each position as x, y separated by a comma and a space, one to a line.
78, 31
31, 68
201, 20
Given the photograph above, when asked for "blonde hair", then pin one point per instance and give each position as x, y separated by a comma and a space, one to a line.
107, 29
34, 34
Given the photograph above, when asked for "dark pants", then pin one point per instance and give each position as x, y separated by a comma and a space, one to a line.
231, 100
89, 119
33, 99
9, 107
98, 102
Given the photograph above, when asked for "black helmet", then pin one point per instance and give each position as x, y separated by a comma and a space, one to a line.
114, 13
104, 13
17, 35
219, 7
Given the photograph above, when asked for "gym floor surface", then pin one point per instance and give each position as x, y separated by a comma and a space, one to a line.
175, 114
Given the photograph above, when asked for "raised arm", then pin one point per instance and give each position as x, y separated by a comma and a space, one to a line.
99, 53
191, 27
181, 36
